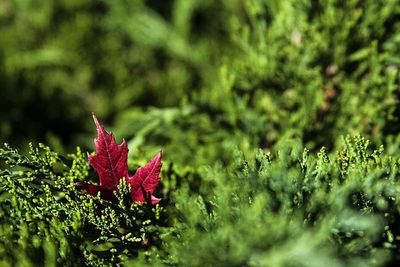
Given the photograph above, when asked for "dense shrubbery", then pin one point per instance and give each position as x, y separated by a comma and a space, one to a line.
45, 218
200, 73
287, 208
233, 92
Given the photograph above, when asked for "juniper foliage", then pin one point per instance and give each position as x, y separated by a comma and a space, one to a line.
46, 220
290, 208
256, 70
211, 83
285, 208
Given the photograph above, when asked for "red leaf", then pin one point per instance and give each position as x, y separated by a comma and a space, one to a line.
145, 180
110, 162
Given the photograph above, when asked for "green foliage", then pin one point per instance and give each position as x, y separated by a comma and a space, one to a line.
285, 208
290, 208
233, 92
46, 220
312, 71
256, 71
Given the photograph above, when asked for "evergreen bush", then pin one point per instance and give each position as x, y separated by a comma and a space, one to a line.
286, 208
249, 101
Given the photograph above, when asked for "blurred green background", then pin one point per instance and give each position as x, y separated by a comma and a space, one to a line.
199, 78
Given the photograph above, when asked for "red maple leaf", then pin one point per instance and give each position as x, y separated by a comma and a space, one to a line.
110, 163
145, 180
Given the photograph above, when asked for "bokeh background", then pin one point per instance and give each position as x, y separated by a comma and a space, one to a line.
199, 78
